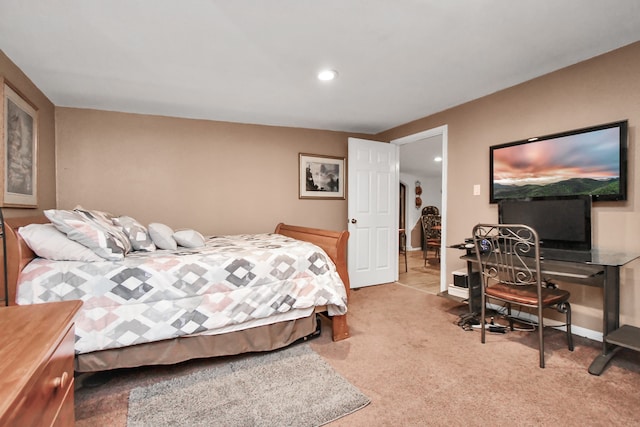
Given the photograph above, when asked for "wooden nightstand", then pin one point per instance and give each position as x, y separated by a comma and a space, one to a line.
36, 371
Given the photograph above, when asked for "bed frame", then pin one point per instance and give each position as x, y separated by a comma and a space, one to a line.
263, 338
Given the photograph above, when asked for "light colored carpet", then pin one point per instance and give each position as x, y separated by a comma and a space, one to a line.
407, 354
289, 387
419, 368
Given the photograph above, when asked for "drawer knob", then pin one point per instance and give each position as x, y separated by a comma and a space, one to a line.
61, 381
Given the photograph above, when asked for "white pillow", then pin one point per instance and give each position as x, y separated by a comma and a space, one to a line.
48, 242
162, 236
189, 238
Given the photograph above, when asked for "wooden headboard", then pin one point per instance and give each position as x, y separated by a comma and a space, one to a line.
334, 243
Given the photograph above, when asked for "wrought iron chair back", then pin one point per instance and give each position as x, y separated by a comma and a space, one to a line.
428, 210
509, 255
510, 270
431, 233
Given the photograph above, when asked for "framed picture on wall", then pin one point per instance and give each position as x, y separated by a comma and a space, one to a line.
19, 153
321, 177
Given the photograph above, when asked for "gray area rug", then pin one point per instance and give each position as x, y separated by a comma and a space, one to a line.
290, 387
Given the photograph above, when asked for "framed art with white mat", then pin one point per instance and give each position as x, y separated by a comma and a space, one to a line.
19, 154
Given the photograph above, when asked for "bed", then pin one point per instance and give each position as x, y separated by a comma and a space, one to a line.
274, 328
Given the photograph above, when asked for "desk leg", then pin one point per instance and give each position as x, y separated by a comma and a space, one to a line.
610, 318
475, 299
601, 361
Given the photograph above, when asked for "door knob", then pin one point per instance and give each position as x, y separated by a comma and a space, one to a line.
353, 221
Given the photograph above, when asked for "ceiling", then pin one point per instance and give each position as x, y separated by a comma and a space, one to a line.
255, 61
417, 158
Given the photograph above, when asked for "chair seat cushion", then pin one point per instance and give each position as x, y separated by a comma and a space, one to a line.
527, 294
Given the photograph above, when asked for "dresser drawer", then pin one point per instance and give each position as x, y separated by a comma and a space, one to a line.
52, 393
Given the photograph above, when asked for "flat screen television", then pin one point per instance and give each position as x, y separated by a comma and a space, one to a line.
590, 161
562, 223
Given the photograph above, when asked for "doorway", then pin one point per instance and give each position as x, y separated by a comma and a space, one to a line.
417, 164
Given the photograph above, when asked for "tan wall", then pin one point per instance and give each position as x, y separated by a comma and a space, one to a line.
227, 178
46, 188
600, 90
216, 177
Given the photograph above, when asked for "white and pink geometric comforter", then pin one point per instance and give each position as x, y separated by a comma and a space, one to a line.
151, 296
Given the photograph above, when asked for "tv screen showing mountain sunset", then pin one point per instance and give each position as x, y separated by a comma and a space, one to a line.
587, 162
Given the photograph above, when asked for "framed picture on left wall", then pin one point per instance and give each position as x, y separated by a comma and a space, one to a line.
19, 151
321, 177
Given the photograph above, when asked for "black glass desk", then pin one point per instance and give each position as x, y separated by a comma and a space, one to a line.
593, 268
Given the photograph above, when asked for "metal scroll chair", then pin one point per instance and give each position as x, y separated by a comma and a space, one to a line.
430, 210
509, 259
402, 235
431, 235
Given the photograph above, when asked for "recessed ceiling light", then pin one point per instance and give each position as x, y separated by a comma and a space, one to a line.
327, 75
437, 159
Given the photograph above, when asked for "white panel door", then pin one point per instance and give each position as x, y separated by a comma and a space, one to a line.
373, 218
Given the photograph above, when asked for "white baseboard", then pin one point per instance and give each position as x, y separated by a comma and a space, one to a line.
575, 330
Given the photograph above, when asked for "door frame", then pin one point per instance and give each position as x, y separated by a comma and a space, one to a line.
443, 132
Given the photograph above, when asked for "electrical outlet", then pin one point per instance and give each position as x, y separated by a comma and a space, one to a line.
476, 190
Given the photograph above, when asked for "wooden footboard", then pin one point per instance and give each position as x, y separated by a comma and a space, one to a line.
334, 243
